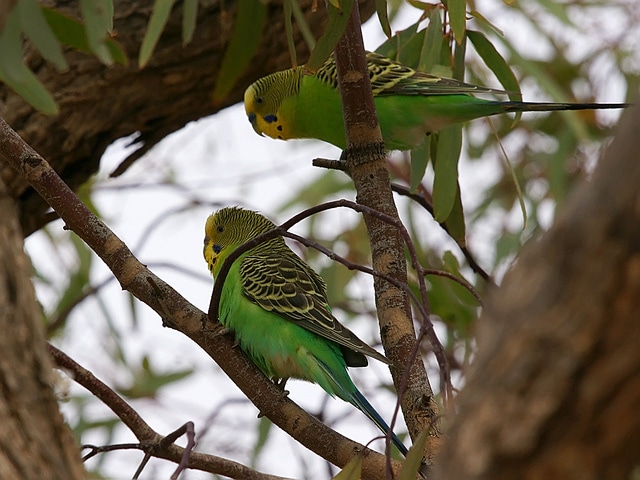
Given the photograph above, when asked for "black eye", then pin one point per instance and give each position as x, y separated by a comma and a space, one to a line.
259, 99
220, 228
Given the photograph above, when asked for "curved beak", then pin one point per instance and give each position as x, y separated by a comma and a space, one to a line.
253, 119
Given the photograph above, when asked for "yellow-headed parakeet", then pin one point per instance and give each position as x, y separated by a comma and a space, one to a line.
276, 306
410, 104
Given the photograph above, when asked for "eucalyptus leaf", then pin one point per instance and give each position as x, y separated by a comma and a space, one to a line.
245, 39
336, 26
445, 183
189, 17
36, 28
98, 23
157, 22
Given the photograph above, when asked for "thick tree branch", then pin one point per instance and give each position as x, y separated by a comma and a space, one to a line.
366, 164
179, 314
555, 388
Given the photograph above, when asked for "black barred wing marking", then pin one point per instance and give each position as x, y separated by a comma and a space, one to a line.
282, 283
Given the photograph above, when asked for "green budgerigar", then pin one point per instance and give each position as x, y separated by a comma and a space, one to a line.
410, 104
276, 306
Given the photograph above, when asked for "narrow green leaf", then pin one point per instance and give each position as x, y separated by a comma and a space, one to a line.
556, 166
264, 428
71, 32
245, 38
157, 22
412, 463
452, 302
97, 24
352, 470
336, 25
394, 47
38, 31
27, 85
496, 63
189, 17
15, 73
458, 65
148, 382
419, 162
432, 44
383, 17
445, 182
327, 185
426, 7
11, 48
78, 276
409, 51
303, 25
482, 20
455, 222
288, 28
558, 10
108, 14
457, 17
445, 61
514, 176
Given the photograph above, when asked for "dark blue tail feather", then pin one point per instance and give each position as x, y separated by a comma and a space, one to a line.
361, 403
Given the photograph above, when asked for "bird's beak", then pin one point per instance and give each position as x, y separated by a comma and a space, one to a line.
253, 119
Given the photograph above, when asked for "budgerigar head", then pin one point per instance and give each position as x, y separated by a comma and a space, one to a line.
227, 229
263, 101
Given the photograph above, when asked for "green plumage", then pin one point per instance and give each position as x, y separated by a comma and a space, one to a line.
409, 104
276, 306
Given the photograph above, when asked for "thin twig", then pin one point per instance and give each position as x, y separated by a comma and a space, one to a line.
151, 442
59, 320
426, 204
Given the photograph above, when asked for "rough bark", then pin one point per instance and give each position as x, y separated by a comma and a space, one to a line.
367, 166
35, 443
100, 104
555, 390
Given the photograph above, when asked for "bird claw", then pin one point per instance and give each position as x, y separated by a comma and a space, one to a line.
280, 383
220, 332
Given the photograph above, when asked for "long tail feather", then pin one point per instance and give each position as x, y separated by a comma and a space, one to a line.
361, 403
349, 393
547, 107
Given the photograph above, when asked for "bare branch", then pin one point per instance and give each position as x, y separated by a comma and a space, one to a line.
151, 442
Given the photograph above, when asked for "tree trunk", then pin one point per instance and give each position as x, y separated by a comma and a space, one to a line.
100, 104
35, 443
555, 390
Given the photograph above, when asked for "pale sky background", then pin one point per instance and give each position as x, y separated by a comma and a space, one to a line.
220, 161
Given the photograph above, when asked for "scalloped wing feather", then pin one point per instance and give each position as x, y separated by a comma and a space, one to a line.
392, 78
282, 283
